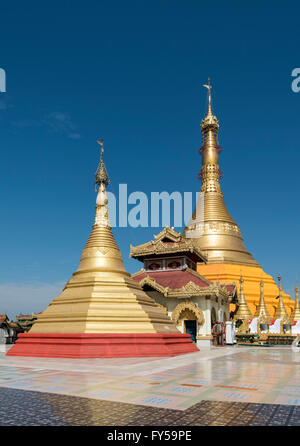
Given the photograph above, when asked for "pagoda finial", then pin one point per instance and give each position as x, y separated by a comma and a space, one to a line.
209, 87
101, 174
102, 148
102, 181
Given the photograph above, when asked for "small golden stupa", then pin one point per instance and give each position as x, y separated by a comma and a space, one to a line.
102, 311
280, 312
262, 310
295, 316
243, 313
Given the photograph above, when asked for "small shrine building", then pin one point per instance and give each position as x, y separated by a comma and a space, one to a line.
170, 277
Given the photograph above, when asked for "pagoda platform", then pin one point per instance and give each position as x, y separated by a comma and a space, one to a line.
102, 345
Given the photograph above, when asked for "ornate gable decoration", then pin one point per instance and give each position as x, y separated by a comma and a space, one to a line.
230, 284
168, 233
189, 289
153, 284
175, 244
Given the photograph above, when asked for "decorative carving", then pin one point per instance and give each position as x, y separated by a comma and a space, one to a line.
153, 284
188, 305
187, 314
169, 233
103, 251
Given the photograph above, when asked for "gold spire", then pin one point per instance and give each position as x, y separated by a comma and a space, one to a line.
101, 297
101, 238
243, 311
295, 316
212, 227
210, 171
280, 312
261, 310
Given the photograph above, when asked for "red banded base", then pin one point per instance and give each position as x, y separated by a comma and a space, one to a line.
101, 345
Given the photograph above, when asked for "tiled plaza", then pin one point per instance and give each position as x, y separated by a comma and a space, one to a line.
218, 386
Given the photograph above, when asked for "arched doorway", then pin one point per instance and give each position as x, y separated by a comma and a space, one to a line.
190, 323
188, 316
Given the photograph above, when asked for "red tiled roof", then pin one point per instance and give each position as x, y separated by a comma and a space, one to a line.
172, 279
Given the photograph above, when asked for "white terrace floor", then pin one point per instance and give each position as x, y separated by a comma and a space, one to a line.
245, 374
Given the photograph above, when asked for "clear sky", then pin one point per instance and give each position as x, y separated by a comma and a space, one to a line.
132, 73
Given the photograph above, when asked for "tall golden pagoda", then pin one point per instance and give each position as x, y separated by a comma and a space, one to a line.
102, 311
216, 233
243, 313
295, 316
262, 310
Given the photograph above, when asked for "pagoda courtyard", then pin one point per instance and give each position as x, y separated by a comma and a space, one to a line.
144, 349
230, 386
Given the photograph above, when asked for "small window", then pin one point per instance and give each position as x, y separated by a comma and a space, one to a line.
154, 266
174, 265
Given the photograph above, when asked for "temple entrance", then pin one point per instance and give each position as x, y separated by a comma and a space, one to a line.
188, 317
191, 328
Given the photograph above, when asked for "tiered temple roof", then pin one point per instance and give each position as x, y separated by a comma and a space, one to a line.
179, 280
26, 320
167, 242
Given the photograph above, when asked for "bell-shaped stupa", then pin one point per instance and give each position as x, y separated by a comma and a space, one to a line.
262, 310
243, 313
102, 311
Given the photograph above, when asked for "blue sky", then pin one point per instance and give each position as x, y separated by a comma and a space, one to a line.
132, 73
